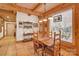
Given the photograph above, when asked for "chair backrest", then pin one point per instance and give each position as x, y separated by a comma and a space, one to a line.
36, 42
57, 42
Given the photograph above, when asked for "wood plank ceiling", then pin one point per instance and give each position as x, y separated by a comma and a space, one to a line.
38, 7
10, 9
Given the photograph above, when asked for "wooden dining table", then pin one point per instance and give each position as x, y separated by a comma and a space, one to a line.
45, 42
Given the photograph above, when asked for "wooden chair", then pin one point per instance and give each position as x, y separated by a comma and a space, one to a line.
49, 49
57, 43
38, 46
55, 48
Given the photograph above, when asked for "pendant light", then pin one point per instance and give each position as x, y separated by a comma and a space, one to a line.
45, 19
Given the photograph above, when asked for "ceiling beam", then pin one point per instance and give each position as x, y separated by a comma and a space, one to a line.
15, 8
25, 10
36, 6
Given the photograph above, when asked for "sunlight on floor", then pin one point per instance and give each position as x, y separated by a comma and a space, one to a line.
9, 47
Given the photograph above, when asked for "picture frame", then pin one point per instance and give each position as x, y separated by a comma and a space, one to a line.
57, 18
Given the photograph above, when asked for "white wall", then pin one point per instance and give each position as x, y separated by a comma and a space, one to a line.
66, 21
24, 17
1, 33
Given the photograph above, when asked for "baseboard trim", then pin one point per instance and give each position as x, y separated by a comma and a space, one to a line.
23, 41
19, 41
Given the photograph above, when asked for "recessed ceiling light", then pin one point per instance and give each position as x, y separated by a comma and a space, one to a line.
40, 21
45, 20
50, 18
8, 17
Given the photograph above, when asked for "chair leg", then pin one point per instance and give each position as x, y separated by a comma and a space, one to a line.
37, 53
43, 52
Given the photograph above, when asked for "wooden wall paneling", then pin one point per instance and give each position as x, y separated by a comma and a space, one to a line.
67, 52
45, 27
73, 24
76, 24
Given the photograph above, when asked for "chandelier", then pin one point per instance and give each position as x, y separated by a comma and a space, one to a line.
44, 19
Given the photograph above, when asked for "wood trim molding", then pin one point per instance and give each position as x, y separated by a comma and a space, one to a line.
67, 45
76, 26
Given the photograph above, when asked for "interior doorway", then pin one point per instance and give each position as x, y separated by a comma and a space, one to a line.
10, 29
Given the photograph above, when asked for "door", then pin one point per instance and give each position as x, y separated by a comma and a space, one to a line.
10, 29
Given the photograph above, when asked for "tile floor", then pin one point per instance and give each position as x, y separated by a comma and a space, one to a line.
9, 47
